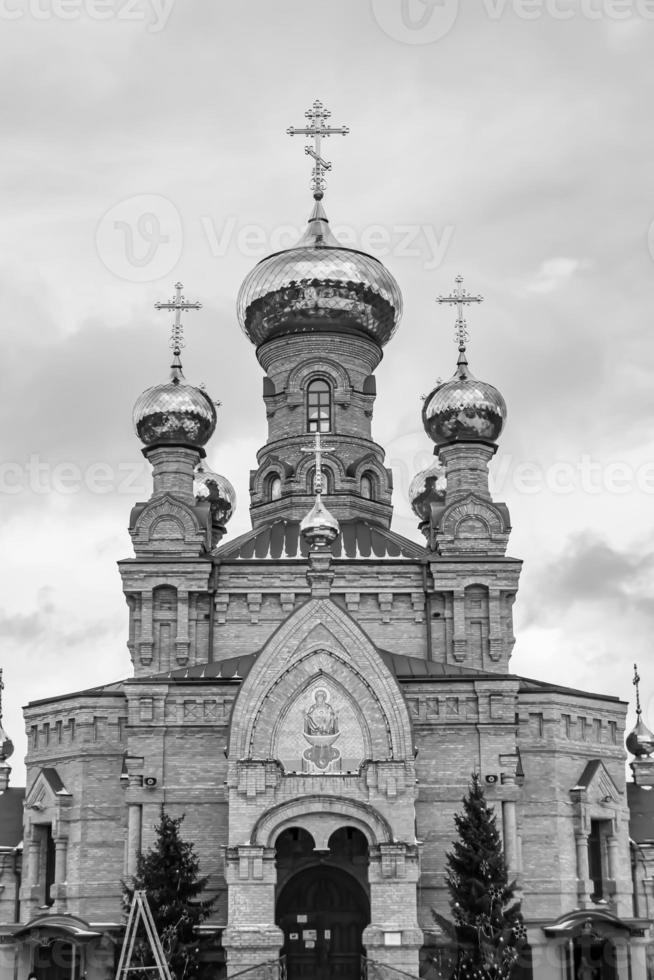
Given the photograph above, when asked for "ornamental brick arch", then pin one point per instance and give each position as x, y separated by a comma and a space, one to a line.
473, 511
166, 508
361, 717
330, 462
341, 649
321, 816
306, 371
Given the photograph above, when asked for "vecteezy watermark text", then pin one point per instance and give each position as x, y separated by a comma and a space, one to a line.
567, 9
508, 475
140, 239
426, 21
415, 241
41, 477
153, 12
560, 477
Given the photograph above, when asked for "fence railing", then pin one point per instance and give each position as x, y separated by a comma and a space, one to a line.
268, 970
374, 970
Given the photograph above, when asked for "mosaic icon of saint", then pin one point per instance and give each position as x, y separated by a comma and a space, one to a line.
321, 719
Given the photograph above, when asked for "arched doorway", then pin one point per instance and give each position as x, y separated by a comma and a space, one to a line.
58, 959
595, 943
594, 958
322, 908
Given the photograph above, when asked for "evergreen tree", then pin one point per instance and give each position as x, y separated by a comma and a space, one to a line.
169, 875
488, 924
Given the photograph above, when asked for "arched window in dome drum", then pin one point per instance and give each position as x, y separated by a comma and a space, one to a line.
319, 406
327, 480
274, 487
367, 487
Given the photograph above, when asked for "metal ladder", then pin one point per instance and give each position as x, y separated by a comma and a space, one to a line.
140, 912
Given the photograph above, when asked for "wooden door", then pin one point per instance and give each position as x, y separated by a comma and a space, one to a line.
323, 912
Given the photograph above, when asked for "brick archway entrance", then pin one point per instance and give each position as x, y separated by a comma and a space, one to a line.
321, 908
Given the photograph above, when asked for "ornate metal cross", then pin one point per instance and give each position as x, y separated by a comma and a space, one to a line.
317, 128
460, 298
177, 303
636, 682
317, 449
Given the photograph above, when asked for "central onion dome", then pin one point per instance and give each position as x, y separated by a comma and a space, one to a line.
319, 285
175, 413
464, 409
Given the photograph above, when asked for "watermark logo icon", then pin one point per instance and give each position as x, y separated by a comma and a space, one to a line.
140, 239
416, 21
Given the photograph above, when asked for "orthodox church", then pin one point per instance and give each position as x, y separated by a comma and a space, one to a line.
314, 695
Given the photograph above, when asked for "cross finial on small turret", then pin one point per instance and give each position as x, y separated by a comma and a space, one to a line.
636, 682
317, 450
177, 303
317, 127
460, 297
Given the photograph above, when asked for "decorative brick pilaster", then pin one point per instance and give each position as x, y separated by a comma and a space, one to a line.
251, 937
320, 575
459, 637
394, 937
182, 644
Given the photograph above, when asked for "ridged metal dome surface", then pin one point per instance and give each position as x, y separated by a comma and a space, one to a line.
319, 527
424, 489
464, 408
640, 741
217, 491
319, 285
6, 745
174, 412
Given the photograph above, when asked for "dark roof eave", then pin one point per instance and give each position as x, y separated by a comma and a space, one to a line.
482, 675
305, 561
546, 687
90, 692
198, 681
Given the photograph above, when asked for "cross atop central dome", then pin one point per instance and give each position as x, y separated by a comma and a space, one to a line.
319, 285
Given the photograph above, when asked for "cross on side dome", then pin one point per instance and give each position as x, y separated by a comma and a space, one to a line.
175, 412
464, 409
177, 303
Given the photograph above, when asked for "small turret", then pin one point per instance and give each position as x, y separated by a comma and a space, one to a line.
217, 491
6, 747
175, 420
464, 417
640, 742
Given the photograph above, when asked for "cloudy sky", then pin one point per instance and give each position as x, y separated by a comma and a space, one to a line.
144, 142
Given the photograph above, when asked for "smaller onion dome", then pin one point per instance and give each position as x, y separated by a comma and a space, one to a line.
175, 413
217, 491
640, 741
6, 745
464, 408
426, 488
319, 527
